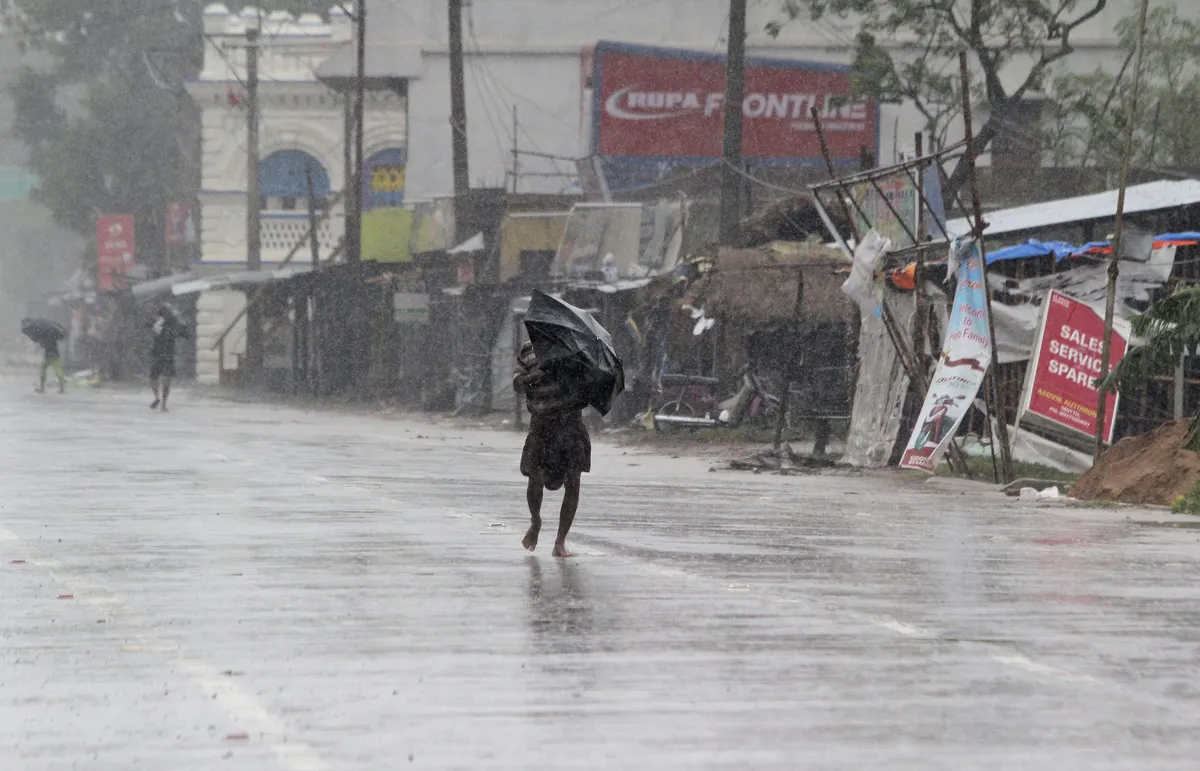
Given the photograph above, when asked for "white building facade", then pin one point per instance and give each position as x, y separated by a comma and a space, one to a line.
301, 133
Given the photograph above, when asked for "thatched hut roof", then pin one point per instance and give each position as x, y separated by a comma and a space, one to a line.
793, 219
758, 286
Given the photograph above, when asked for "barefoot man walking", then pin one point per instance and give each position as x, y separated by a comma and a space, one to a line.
557, 449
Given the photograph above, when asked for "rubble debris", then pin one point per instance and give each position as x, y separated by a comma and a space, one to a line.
785, 463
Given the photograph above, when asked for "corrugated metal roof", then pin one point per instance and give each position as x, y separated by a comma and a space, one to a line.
1151, 196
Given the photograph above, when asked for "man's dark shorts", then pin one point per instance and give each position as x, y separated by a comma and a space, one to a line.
558, 445
161, 366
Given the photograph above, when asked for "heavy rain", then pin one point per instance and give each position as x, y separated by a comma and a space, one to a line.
462, 384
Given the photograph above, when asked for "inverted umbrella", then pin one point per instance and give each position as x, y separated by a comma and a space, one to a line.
573, 345
43, 331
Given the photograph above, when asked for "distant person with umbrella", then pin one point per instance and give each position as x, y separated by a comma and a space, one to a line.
47, 333
166, 328
568, 365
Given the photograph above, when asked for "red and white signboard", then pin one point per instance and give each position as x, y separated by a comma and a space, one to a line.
114, 249
669, 103
1066, 363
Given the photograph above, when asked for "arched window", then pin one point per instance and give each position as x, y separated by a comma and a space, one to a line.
383, 184
283, 180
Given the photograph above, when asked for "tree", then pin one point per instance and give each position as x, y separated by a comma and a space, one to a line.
133, 146
1092, 109
921, 68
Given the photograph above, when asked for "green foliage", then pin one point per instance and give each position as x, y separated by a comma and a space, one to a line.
1093, 109
1170, 328
924, 70
1188, 503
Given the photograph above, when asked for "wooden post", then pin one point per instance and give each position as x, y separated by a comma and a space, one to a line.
519, 409
1114, 268
996, 407
354, 222
516, 152
735, 87
922, 307
790, 359
458, 117
254, 319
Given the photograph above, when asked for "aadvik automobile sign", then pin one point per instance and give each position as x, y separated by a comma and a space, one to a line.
1060, 391
663, 103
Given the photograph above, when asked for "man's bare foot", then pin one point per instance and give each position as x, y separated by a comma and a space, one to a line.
531, 537
560, 550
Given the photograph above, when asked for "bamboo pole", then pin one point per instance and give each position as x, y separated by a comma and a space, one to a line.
1114, 268
992, 389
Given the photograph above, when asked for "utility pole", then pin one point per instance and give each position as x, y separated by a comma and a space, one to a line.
516, 153
347, 161
735, 88
1114, 268
458, 117
354, 221
254, 330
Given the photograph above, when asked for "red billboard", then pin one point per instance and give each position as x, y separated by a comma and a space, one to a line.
1059, 386
663, 103
114, 249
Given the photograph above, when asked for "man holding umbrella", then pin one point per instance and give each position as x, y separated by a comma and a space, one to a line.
47, 333
568, 365
166, 328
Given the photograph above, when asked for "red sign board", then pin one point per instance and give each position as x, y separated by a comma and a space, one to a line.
1067, 363
114, 249
668, 103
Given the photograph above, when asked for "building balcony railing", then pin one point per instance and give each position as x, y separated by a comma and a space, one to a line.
280, 232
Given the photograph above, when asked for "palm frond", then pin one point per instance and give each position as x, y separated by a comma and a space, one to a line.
1170, 329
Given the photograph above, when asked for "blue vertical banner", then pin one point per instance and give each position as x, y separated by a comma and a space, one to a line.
961, 368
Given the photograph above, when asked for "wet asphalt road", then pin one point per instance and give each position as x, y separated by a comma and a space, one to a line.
240, 587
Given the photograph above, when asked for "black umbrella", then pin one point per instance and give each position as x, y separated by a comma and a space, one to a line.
573, 345
43, 331
171, 315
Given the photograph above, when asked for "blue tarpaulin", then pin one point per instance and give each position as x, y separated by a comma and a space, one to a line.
1033, 248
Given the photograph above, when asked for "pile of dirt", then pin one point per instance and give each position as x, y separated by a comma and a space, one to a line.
1152, 468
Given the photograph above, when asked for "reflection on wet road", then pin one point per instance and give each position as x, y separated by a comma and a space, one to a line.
246, 587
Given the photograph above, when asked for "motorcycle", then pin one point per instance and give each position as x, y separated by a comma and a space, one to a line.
752, 404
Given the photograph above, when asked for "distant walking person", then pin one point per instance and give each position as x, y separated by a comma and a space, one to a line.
47, 334
557, 450
166, 328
